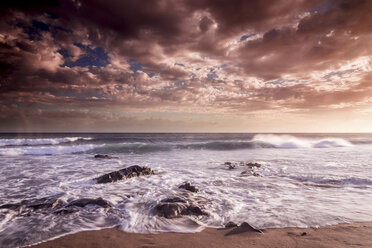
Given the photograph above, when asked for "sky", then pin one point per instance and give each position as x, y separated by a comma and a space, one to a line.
186, 66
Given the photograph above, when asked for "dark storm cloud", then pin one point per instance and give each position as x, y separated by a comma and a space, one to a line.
235, 55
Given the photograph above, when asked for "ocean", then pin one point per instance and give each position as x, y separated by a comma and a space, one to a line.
301, 180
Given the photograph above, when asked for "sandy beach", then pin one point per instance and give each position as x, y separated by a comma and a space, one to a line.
342, 235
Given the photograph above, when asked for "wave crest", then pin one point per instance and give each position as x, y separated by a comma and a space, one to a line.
39, 141
288, 141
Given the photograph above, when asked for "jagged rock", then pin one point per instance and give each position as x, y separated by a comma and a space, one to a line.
189, 187
104, 156
230, 224
244, 227
176, 207
248, 227
132, 171
88, 201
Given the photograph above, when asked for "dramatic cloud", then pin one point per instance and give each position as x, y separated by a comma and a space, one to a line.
173, 65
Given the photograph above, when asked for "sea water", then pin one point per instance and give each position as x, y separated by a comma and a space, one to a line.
305, 180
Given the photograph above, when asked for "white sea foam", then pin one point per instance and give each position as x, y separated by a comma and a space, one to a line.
45, 150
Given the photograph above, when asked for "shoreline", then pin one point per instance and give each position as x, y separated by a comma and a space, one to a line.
341, 235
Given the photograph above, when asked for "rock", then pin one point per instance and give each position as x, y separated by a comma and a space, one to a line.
189, 187
303, 234
35, 204
230, 224
251, 165
104, 156
58, 203
88, 201
169, 210
66, 211
230, 165
249, 172
244, 227
174, 199
132, 171
176, 207
10, 206
249, 227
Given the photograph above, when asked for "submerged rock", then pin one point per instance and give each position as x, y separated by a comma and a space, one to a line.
104, 156
230, 224
89, 201
41, 203
176, 207
55, 205
132, 171
249, 172
189, 187
251, 165
230, 165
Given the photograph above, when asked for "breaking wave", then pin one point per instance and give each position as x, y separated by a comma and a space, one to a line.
69, 145
39, 141
288, 141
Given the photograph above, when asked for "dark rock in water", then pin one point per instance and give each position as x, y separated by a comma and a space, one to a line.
66, 211
230, 224
88, 201
36, 204
251, 165
72, 206
189, 187
132, 171
174, 199
230, 165
41, 203
303, 234
250, 172
193, 210
169, 210
233, 165
104, 156
176, 207
10, 206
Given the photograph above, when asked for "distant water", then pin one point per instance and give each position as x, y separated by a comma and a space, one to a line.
305, 180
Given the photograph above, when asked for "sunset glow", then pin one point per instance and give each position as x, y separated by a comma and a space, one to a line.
186, 66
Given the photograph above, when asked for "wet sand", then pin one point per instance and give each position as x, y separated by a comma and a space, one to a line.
343, 235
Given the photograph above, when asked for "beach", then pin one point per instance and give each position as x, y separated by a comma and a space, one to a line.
335, 236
